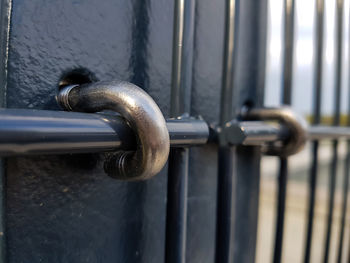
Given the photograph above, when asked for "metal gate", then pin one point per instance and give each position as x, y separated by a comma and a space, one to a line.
90, 88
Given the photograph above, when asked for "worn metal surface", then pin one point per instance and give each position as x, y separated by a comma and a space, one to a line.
143, 116
294, 123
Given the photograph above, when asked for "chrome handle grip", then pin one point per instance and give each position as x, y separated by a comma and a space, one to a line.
141, 112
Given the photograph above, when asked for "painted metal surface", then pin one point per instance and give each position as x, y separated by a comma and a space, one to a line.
226, 176
202, 182
62, 208
5, 17
181, 85
42, 132
341, 244
287, 80
250, 83
317, 92
333, 172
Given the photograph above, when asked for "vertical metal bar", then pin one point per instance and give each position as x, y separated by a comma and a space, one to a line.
226, 179
176, 98
5, 20
239, 168
316, 120
331, 189
177, 206
289, 14
345, 187
139, 44
281, 203
345, 197
249, 83
184, 19
184, 13
228, 67
225, 206
347, 164
336, 122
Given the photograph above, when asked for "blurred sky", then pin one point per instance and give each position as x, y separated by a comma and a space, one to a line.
304, 56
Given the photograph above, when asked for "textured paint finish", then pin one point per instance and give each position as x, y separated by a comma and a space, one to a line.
64, 209
207, 72
5, 15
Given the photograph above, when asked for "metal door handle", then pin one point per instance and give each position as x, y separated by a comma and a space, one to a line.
143, 115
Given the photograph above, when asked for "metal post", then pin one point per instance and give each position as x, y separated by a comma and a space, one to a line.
347, 160
289, 14
316, 120
183, 38
336, 122
239, 168
345, 189
249, 85
345, 196
226, 177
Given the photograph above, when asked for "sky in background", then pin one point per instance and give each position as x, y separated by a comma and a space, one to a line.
303, 69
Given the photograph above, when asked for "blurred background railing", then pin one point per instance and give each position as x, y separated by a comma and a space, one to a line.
311, 37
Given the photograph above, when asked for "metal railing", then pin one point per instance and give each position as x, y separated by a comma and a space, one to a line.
27, 132
38, 132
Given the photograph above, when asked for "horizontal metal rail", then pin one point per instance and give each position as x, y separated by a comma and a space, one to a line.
328, 132
254, 133
257, 133
28, 132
